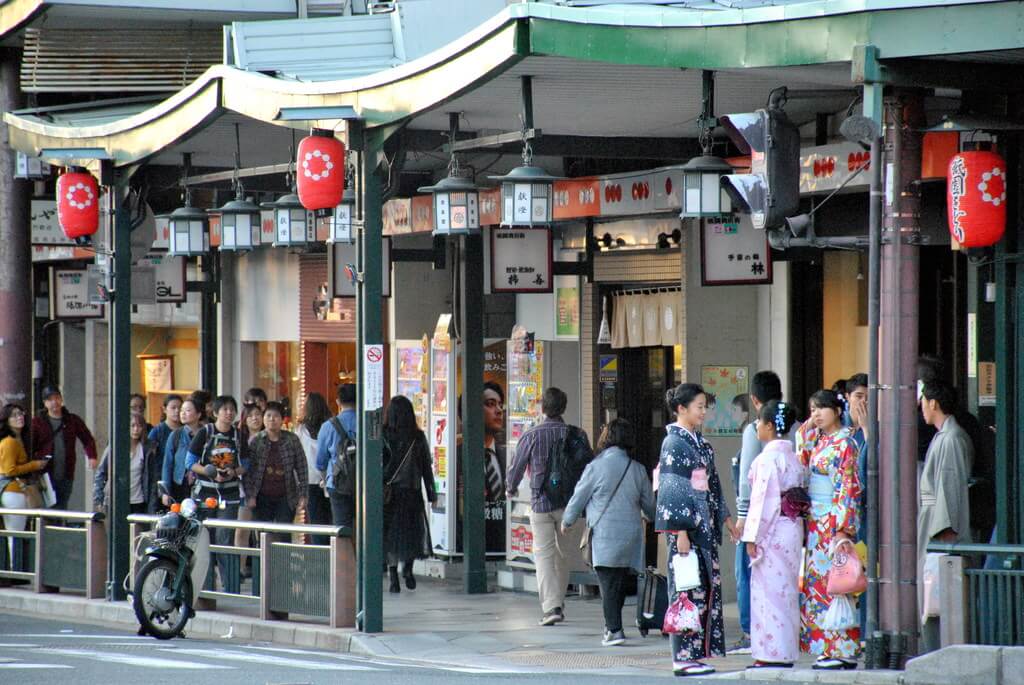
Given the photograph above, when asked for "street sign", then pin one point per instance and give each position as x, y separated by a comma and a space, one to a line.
373, 388
69, 292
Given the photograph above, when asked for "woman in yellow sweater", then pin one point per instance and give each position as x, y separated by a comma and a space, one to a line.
14, 463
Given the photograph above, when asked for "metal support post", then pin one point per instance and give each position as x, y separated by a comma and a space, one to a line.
120, 371
16, 255
874, 311
369, 331
471, 330
208, 322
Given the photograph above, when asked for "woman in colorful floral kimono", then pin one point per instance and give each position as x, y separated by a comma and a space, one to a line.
835, 491
691, 513
774, 535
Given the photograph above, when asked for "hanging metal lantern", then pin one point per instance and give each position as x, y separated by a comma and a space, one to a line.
703, 194
239, 224
456, 203
976, 198
293, 225
526, 196
78, 204
320, 172
189, 231
341, 221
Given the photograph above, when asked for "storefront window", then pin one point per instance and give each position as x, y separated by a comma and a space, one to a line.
276, 370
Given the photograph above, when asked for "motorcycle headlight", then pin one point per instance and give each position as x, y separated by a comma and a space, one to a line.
188, 508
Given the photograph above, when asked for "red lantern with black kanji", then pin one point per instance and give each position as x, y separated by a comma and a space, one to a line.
78, 204
320, 172
976, 198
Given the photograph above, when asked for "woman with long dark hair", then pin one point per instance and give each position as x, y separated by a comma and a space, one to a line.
691, 512
834, 488
407, 463
315, 413
14, 465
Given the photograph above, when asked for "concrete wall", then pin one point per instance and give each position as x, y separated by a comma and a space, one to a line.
846, 342
722, 327
267, 291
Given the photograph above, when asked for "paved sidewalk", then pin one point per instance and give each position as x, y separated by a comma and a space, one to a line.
439, 624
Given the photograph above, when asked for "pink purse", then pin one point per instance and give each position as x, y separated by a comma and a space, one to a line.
846, 576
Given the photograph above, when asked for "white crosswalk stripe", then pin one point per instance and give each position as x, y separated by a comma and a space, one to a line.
130, 660
270, 660
15, 666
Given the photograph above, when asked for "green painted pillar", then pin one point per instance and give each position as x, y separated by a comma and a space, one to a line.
471, 329
120, 370
369, 327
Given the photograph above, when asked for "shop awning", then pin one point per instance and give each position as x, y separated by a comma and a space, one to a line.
809, 42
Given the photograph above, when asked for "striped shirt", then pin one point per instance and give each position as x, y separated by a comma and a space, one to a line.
532, 452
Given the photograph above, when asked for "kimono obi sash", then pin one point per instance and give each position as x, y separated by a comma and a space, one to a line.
822, 490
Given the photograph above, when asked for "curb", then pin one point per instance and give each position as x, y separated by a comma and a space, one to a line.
205, 624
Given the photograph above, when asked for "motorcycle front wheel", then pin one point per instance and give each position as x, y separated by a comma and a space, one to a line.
156, 608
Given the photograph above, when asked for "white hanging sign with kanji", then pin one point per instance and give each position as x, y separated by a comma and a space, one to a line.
521, 260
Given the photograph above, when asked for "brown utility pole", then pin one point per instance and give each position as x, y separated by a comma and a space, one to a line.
904, 118
15, 253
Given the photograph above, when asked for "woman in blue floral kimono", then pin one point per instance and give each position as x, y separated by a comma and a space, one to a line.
691, 513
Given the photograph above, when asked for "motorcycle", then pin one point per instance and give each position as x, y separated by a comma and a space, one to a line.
175, 566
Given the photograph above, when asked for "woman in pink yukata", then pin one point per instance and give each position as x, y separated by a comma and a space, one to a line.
774, 534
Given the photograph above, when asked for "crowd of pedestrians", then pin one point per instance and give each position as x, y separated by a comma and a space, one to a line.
800, 492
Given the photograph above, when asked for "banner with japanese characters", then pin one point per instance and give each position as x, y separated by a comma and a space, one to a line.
521, 260
733, 252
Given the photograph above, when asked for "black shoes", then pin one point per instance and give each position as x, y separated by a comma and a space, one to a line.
395, 587
410, 580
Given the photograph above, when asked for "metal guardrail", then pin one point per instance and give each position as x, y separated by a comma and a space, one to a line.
986, 600
53, 556
287, 578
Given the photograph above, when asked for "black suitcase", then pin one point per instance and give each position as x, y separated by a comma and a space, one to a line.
651, 602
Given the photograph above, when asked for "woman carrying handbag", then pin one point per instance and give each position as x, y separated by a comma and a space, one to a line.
615, 492
15, 468
407, 464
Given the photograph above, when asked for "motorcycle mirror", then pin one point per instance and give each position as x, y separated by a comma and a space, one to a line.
161, 487
211, 471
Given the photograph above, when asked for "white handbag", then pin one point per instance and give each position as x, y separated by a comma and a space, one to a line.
686, 571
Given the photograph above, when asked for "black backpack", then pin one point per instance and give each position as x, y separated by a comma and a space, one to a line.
343, 468
567, 459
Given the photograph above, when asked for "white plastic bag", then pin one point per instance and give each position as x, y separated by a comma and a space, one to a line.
686, 571
841, 614
930, 579
47, 491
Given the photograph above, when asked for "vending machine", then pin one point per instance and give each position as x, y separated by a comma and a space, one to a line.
442, 431
412, 376
532, 367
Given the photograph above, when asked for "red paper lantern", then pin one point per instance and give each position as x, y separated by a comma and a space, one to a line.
78, 204
320, 172
976, 198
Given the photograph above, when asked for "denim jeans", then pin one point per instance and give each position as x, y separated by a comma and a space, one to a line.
743, 587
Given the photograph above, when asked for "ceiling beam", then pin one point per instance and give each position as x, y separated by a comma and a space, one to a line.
633, 147
938, 73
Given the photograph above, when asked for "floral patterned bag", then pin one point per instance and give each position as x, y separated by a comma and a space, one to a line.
682, 616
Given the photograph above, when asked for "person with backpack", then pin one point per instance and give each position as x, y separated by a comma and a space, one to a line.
555, 454
174, 473
336, 456
615, 493
221, 445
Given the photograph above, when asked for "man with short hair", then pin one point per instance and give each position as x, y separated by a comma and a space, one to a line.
765, 386
55, 434
550, 544
944, 514
342, 495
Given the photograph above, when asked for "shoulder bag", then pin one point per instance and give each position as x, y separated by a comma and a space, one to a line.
388, 489
586, 548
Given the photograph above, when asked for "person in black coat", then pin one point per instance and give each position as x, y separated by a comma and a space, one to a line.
407, 464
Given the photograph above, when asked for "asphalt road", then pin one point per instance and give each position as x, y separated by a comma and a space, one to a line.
48, 651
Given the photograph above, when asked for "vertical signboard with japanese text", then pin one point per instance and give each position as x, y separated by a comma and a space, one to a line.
521, 260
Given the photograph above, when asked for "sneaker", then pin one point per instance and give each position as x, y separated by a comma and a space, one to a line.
741, 646
552, 617
613, 638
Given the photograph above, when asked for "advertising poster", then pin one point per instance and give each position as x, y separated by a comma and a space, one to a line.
567, 307
412, 376
724, 384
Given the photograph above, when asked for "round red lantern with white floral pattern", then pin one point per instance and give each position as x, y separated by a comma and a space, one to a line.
78, 204
976, 198
320, 172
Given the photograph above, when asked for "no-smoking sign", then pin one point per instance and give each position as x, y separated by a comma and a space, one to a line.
373, 390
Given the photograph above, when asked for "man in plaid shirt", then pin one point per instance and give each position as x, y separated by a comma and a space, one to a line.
550, 545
